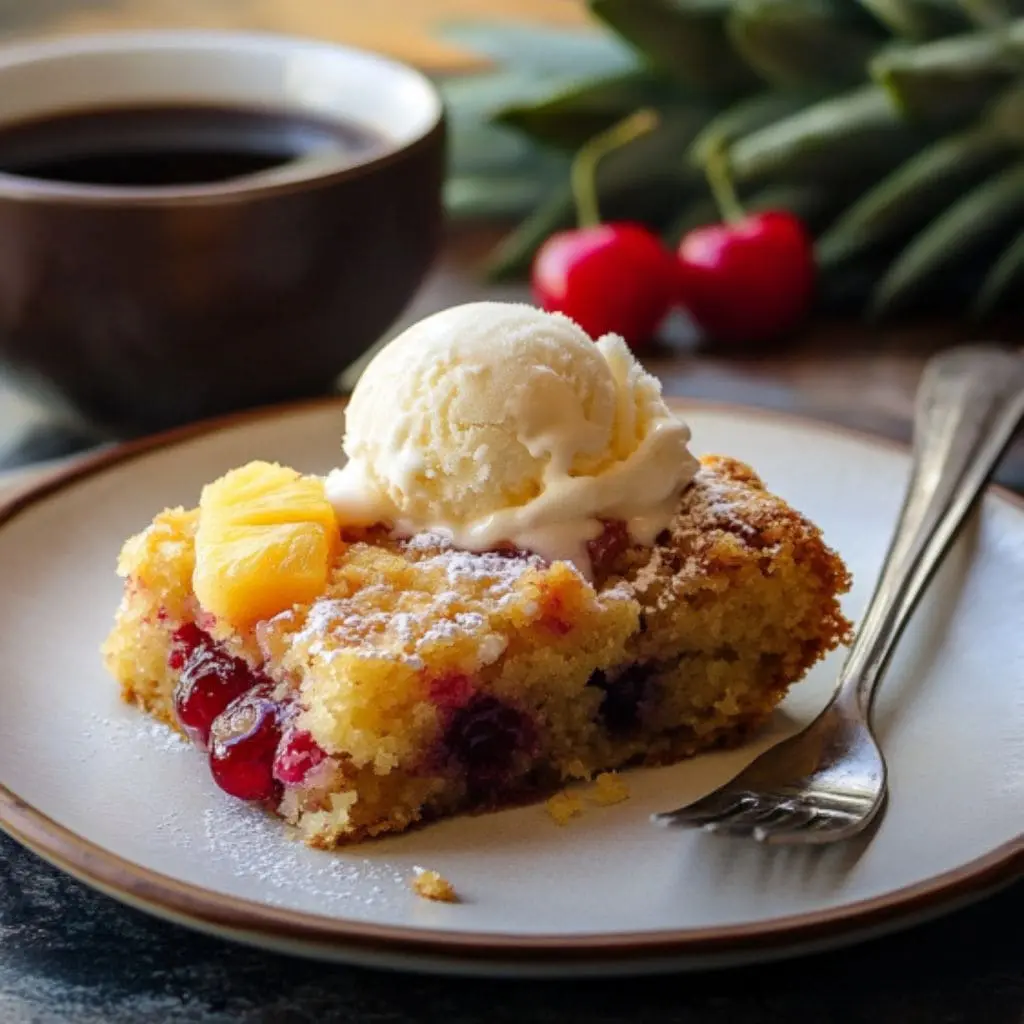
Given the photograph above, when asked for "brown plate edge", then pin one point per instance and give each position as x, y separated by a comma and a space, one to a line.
247, 919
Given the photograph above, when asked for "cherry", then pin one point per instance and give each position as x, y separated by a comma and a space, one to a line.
623, 697
610, 278
210, 680
243, 742
611, 543
485, 735
749, 279
184, 640
297, 755
613, 278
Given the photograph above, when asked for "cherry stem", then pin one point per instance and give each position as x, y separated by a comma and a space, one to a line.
589, 155
722, 189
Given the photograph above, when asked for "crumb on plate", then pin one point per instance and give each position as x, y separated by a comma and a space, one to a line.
564, 806
433, 886
609, 788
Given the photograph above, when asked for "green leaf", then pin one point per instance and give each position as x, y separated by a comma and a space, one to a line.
541, 51
570, 115
949, 78
992, 13
497, 196
643, 180
686, 39
741, 118
920, 20
952, 239
852, 136
814, 204
1004, 277
804, 43
512, 256
915, 192
844, 290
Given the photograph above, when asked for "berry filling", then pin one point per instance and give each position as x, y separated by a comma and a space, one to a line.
243, 743
297, 755
553, 615
484, 736
623, 697
608, 546
185, 641
210, 680
453, 690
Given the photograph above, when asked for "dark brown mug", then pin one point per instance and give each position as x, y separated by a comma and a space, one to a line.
140, 307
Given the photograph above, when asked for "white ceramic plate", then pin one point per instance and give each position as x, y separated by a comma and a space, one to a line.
117, 801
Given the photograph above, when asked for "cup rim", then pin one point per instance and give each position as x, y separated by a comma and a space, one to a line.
296, 176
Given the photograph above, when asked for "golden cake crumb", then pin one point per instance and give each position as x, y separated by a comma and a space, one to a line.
563, 807
609, 788
433, 886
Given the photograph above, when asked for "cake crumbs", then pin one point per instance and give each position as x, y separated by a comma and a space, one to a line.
563, 807
433, 886
609, 788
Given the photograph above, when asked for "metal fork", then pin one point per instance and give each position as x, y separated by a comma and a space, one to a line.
828, 782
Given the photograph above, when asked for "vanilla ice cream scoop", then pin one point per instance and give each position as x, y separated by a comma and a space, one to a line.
497, 422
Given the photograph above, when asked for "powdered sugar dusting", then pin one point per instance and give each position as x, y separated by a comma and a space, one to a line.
501, 572
254, 846
137, 735
448, 597
429, 540
716, 497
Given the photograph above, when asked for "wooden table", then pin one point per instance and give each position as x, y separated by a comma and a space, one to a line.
70, 956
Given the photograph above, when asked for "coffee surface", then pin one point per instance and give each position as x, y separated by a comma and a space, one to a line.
167, 146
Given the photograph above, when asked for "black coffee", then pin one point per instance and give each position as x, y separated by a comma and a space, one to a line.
172, 145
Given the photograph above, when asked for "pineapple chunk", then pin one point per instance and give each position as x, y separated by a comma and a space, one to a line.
265, 541
265, 494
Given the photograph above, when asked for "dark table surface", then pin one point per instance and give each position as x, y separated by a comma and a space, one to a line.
68, 954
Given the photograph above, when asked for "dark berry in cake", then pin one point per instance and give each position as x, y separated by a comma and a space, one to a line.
210, 680
484, 737
623, 697
243, 743
297, 755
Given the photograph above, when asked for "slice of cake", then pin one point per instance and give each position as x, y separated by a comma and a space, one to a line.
520, 578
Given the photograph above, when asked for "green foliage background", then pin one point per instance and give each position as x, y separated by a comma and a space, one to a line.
894, 128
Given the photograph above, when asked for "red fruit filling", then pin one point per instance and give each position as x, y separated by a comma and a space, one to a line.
184, 641
297, 755
243, 742
210, 680
452, 690
608, 545
484, 737
553, 615
623, 698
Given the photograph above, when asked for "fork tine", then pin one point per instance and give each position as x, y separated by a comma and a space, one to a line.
708, 808
796, 818
755, 811
818, 830
771, 817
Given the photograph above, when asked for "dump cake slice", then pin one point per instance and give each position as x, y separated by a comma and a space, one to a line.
358, 672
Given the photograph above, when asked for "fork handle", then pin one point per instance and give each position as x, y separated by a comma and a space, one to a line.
969, 404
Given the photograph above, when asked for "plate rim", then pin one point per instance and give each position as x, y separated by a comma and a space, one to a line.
239, 917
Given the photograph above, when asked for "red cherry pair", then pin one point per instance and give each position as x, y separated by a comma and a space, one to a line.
745, 280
